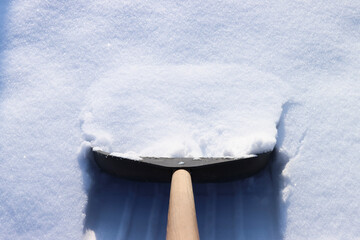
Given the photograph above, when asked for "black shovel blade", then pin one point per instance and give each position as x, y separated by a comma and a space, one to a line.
160, 169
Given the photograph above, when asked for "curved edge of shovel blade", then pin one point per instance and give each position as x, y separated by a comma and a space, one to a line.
161, 169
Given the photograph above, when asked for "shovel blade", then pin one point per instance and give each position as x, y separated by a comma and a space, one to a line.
161, 169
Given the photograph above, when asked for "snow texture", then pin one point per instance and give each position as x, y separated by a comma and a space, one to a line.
179, 78
184, 111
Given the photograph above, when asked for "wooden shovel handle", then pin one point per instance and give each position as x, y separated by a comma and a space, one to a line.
182, 223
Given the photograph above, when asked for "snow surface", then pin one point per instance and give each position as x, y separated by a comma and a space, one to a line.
183, 78
184, 111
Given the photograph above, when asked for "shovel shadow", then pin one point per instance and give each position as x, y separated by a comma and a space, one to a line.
243, 209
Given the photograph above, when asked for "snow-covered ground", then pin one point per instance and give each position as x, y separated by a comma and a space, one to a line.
185, 78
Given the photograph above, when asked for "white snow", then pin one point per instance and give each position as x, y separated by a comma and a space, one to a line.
130, 155
97, 149
322, 142
89, 235
168, 78
184, 110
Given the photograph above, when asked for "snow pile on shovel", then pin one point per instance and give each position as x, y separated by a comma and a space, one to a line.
184, 111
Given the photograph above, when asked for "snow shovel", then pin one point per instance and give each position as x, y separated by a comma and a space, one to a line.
182, 223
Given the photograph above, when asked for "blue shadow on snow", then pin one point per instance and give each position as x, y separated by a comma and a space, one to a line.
243, 209
4, 4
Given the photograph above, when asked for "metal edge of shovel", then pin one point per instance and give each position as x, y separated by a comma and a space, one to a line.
160, 169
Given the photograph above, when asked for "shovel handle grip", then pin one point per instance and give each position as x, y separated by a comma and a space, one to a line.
182, 223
